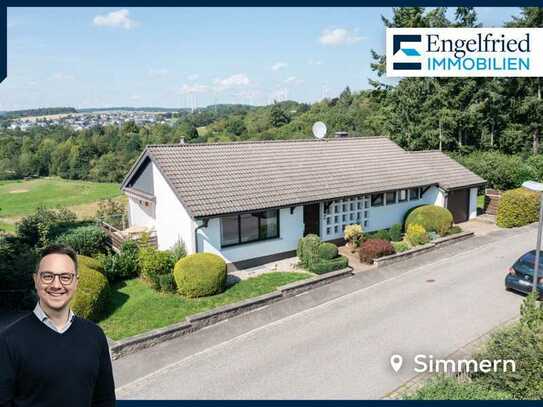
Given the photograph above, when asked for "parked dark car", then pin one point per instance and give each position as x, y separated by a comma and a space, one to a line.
520, 275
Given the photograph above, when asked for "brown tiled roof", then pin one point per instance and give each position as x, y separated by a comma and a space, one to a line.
451, 174
220, 178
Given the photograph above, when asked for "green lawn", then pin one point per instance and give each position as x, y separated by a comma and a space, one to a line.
481, 201
136, 308
20, 198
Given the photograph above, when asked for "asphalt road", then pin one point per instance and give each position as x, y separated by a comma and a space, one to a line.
337, 343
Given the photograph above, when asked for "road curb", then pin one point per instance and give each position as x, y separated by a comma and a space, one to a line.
198, 321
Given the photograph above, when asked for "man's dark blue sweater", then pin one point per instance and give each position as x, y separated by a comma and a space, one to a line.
42, 368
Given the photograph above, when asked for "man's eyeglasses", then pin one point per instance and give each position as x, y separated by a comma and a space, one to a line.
48, 277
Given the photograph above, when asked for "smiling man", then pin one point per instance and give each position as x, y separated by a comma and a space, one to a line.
51, 357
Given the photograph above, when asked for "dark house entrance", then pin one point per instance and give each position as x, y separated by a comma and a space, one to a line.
458, 204
312, 219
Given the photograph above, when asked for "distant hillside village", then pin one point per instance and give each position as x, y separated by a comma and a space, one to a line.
88, 120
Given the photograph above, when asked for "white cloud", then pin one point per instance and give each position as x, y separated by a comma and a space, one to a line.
120, 18
279, 94
237, 80
193, 77
339, 36
193, 88
61, 76
279, 65
157, 73
294, 80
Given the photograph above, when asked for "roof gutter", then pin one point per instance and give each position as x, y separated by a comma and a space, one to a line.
203, 225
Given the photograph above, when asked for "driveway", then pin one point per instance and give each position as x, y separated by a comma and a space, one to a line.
336, 341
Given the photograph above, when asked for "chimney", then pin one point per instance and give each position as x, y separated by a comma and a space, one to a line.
182, 140
342, 134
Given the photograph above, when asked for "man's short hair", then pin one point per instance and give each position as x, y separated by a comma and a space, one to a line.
59, 249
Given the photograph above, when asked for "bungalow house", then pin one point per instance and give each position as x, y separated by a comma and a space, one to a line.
250, 202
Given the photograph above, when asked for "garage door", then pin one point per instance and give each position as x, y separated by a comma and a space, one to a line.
458, 204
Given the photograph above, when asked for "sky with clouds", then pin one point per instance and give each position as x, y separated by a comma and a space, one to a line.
182, 57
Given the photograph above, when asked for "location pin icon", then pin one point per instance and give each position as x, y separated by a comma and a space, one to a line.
396, 362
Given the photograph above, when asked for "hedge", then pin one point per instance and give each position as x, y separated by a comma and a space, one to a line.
327, 251
92, 292
517, 207
395, 232
85, 240
373, 249
308, 249
449, 388
200, 275
322, 266
432, 217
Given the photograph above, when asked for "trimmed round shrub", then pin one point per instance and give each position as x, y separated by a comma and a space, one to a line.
92, 293
89, 262
322, 266
395, 232
153, 263
309, 249
432, 217
327, 251
416, 235
200, 275
375, 248
517, 207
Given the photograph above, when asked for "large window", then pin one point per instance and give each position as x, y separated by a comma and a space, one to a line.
414, 194
377, 199
390, 197
249, 227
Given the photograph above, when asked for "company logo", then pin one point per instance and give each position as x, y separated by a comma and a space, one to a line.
504, 52
398, 40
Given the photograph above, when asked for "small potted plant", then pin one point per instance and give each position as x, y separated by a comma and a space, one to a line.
353, 236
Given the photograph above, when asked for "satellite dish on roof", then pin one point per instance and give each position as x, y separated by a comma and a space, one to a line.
319, 130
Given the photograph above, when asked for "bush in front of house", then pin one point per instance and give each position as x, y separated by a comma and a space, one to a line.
327, 251
322, 266
17, 263
381, 234
395, 232
43, 226
153, 263
454, 230
416, 235
89, 262
517, 207
375, 248
353, 235
400, 247
450, 388
85, 240
122, 265
200, 275
92, 292
308, 249
432, 217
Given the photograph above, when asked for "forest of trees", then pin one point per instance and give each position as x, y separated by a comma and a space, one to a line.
459, 115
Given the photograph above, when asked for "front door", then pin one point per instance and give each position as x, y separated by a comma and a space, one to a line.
458, 204
312, 219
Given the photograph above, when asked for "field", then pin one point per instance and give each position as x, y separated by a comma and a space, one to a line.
21, 198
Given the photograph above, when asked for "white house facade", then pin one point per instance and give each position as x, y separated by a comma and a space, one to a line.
251, 202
